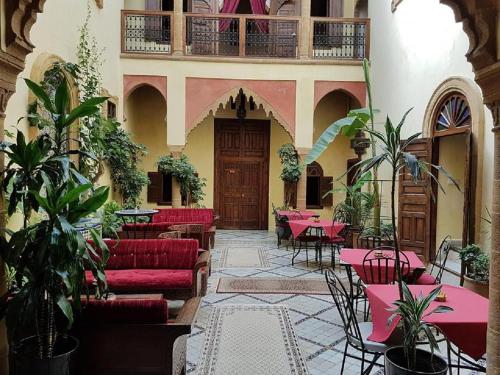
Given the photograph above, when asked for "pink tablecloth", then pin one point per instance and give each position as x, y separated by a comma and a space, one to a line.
355, 258
296, 215
331, 229
465, 326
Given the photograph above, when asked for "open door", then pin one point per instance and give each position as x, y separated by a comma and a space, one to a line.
414, 214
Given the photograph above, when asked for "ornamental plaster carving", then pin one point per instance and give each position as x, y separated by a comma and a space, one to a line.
100, 3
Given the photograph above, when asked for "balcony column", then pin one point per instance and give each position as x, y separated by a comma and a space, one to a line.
305, 28
176, 187
302, 183
177, 47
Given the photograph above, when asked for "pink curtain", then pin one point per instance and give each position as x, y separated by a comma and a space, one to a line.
230, 7
259, 7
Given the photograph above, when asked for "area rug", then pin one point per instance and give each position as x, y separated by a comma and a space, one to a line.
251, 340
243, 257
275, 285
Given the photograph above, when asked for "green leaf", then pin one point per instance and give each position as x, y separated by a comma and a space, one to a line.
87, 108
327, 137
40, 94
66, 309
62, 97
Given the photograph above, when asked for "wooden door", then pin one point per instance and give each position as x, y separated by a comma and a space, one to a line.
414, 217
241, 173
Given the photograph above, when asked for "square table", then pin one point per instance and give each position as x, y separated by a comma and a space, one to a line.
465, 326
355, 257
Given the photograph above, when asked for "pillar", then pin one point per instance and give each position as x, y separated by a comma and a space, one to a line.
305, 28
493, 347
176, 187
178, 28
302, 183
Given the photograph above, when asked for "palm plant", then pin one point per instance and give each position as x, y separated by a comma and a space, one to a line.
49, 257
393, 152
412, 311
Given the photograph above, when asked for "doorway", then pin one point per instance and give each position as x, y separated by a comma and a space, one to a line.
242, 173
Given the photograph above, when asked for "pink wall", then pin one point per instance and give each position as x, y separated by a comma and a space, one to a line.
202, 93
355, 89
131, 82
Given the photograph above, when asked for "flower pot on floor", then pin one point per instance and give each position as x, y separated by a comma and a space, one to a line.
23, 357
427, 364
480, 287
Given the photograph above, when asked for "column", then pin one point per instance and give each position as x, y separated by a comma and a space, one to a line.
493, 348
176, 111
302, 183
176, 187
177, 48
305, 28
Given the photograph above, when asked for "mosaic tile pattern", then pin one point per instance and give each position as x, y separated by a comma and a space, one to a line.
316, 321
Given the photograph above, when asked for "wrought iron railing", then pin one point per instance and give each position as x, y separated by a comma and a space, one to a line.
146, 32
340, 38
244, 36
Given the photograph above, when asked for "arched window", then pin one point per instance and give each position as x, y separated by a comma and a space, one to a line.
317, 186
454, 115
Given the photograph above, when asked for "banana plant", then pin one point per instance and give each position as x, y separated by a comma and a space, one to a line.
356, 120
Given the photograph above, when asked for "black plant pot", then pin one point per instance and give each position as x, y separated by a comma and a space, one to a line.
23, 358
427, 364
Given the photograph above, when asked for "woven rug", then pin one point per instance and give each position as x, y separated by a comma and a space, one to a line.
275, 285
243, 257
251, 340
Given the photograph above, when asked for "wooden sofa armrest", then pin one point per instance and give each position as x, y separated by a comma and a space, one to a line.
202, 261
216, 219
188, 312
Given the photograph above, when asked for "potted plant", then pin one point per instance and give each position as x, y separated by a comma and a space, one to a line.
291, 171
476, 269
408, 359
48, 256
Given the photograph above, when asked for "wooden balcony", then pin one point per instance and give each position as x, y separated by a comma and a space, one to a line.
244, 36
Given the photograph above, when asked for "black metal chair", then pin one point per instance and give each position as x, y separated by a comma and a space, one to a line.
335, 242
356, 333
306, 238
438, 265
382, 270
282, 228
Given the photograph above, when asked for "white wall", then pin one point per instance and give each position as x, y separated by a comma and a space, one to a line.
413, 50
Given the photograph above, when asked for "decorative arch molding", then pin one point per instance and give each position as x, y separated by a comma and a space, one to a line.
132, 82
357, 90
204, 96
472, 94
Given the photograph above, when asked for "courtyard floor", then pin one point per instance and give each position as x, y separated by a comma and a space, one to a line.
316, 321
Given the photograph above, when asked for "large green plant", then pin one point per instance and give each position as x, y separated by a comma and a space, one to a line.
356, 120
181, 169
291, 167
412, 311
49, 257
123, 156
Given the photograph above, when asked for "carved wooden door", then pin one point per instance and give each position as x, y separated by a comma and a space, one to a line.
414, 218
242, 173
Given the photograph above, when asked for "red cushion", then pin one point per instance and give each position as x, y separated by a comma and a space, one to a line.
125, 311
426, 279
145, 280
184, 215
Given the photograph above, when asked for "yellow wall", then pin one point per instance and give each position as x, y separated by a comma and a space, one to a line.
146, 112
334, 160
450, 204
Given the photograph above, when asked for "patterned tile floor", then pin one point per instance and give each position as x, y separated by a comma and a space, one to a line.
317, 323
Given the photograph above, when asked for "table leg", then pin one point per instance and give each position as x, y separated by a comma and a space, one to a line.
294, 246
135, 227
124, 223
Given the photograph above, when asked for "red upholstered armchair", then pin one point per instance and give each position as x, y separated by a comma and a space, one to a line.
170, 267
133, 335
166, 217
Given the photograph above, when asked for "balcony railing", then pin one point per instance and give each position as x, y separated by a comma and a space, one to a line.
146, 32
340, 38
151, 32
244, 36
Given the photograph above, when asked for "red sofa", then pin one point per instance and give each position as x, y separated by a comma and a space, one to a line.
171, 267
167, 217
133, 335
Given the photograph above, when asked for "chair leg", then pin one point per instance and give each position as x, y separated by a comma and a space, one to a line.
343, 359
362, 372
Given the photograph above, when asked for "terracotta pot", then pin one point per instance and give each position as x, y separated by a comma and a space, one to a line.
480, 287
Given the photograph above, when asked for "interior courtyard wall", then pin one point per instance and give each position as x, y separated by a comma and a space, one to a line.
421, 57
332, 107
146, 122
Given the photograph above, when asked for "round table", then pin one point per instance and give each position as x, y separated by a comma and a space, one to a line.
135, 213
